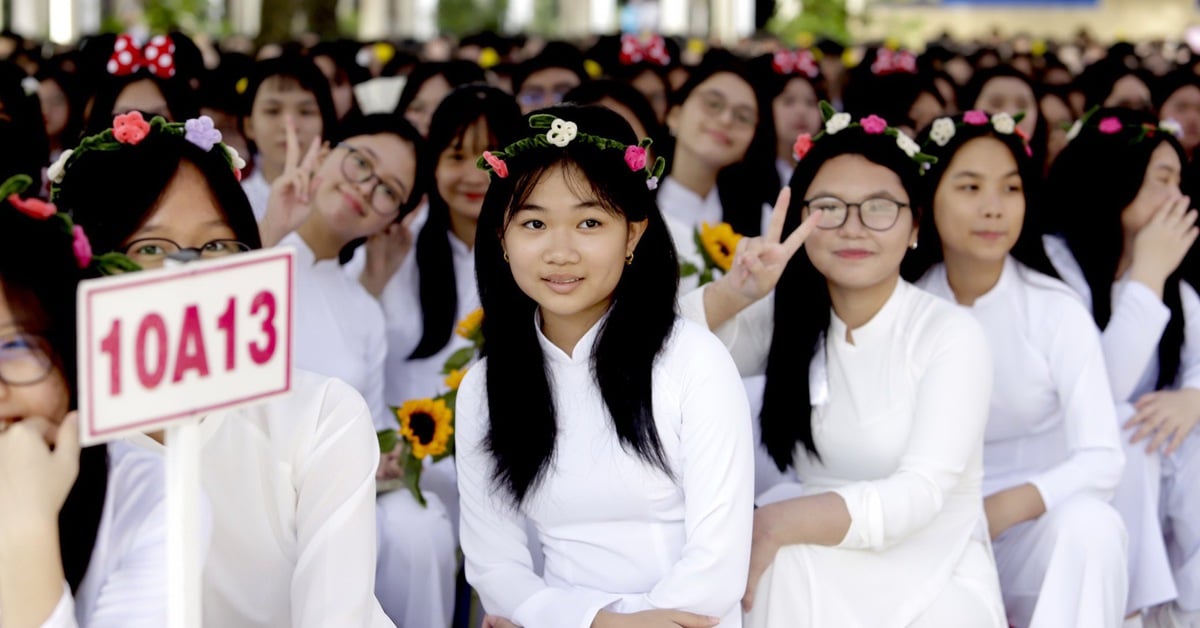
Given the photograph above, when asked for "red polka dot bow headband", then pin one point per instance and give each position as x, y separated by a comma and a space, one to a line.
888, 61
156, 57
795, 62
653, 50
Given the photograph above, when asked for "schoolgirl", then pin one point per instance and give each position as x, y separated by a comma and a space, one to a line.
428, 84
291, 482
1124, 228
618, 429
1177, 97
140, 76
82, 533
1002, 89
791, 81
877, 394
1052, 455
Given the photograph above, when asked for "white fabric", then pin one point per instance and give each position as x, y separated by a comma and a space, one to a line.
1130, 344
258, 192
292, 486
418, 559
617, 533
125, 585
785, 170
1051, 424
898, 419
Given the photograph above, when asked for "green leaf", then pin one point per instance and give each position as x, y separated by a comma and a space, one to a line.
388, 439
827, 110
412, 478
660, 166
706, 276
541, 121
460, 358
687, 269
15, 184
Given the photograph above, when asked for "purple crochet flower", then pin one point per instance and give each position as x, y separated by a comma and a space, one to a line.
202, 132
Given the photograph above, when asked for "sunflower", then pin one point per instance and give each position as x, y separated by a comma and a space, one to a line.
469, 326
720, 243
455, 378
426, 424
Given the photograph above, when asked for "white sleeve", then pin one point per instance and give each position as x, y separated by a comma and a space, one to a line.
63, 615
333, 583
1096, 459
716, 470
1189, 355
1131, 338
493, 536
747, 336
381, 415
951, 410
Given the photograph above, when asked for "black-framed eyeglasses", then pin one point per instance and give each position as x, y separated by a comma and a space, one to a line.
24, 358
384, 198
876, 214
152, 252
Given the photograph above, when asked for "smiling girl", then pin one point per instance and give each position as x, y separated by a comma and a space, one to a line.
620, 431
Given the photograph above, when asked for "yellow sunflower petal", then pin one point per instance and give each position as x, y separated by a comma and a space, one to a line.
469, 326
455, 378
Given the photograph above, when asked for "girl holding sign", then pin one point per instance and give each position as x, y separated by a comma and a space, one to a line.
621, 431
291, 482
82, 533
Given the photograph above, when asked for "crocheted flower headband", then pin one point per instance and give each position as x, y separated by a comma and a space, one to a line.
106, 264
871, 125
131, 128
560, 134
1111, 125
944, 129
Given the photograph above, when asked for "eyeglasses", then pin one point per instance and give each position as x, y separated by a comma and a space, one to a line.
24, 358
876, 214
384, 198
541, 96
715, 104
151, 252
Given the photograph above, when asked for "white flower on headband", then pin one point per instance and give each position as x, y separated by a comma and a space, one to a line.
1073, 132
562, 132
58, 169
652, 183
30, 85
1004, 123
1172, 126
907, 144
838, 122
238, 162
943, 131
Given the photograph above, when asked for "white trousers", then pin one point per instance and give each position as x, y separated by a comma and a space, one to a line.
417, 560
1065, 569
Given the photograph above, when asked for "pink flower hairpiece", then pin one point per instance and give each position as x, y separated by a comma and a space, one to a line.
1112, 125
871, 125
130, 128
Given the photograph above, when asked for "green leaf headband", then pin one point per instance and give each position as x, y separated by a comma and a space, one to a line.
131, 128
81, 247
560, 134
871, 125
945, 128
1111, 125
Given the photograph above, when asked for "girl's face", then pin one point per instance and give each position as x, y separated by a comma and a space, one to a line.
925, 109
796, 112
1161, 181
38, 388
1131, 93
55, 108
655, 90
979, 206
1183, 106
277, 98
717, 121
565, 250
429, 96
186, 217
852, 256
143, 96
1007, 94
360, 185
626, 113
339, 85
459, 182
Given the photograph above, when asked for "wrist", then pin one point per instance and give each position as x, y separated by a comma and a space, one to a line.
1153, 279
601, 620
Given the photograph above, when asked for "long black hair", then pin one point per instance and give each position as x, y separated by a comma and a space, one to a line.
743, 186
21, 127
39, 279
112, 213
435, 261
523, 428
456, 73
1090, 184
1028, 249
802, 302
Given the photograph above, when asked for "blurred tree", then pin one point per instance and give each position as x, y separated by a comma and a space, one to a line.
462, 17
822, 18
276, 22
322, 18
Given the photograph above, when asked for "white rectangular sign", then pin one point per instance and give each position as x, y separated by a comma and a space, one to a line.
159, 346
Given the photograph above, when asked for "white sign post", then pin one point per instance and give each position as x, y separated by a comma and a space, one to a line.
161, 349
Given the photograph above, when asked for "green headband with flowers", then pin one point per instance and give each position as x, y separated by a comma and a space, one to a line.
131, 128
561, 133
871, 125
944, 129
81, 247
1111, 125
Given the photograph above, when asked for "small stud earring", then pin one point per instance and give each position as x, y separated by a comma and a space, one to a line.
913, 246
629, 259
506, 257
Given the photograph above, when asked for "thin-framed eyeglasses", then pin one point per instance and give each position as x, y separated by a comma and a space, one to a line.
715, 104
151, 252
357, 168
876, 214
24, 358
